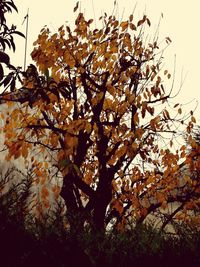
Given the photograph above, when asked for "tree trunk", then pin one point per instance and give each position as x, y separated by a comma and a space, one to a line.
101, 202
73, 211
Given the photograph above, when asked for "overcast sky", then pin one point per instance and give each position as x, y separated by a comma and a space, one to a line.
181, 22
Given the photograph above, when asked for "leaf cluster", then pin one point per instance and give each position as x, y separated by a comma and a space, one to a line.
6, 38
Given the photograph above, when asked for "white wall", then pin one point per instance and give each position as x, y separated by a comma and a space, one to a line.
23, 165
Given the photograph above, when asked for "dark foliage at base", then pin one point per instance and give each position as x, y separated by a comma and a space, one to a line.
143, 246
25, 241
20, 248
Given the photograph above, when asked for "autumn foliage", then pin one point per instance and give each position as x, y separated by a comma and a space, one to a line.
96, 107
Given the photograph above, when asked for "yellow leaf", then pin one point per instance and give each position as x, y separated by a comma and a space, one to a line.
24, 151
53, 139
56, 190
121, 151
151, 179
111, 89
88, 127
112, 161
193, 119
97, 99
134, 146
107, 104
136, 119
179, 110
46, 165
183, 154
42, 179
183, 147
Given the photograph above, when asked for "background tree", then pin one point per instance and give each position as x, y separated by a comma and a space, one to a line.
7, 40
98, 111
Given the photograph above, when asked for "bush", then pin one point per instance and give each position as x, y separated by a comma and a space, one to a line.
52, 245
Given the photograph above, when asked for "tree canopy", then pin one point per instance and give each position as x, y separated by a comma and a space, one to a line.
97, 107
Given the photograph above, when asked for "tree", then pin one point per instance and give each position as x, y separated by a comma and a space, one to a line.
98, 110
7, 40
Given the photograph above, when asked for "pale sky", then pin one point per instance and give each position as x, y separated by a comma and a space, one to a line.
181, 22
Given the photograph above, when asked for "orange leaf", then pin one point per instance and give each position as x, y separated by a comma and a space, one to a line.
44, 192
118, 206
132, 27
124, 25
140, 22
